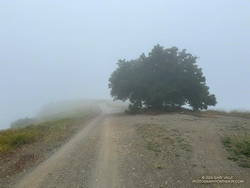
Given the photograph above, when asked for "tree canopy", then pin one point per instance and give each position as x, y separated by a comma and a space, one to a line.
167, 78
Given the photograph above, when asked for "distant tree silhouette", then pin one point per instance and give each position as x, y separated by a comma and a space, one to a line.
165, 79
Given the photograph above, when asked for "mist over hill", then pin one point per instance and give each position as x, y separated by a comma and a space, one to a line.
53, 51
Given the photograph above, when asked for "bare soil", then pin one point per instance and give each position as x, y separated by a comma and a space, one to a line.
175, 150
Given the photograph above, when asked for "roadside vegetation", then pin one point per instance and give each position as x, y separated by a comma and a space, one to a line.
50, 131
12, 139
53, 126
27, 145
238, 147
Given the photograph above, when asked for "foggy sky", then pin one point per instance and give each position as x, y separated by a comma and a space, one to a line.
58, 50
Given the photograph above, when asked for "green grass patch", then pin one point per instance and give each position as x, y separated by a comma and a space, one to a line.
12, 139
239, 149
50, 131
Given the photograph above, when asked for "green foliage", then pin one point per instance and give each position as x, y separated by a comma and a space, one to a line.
13, 138
55, 126
51, 130
165, 79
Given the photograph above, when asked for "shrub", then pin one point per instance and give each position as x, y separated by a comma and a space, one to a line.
239, 149
11, 139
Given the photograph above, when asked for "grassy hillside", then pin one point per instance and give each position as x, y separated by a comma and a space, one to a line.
27, 145
50, 126
12, 139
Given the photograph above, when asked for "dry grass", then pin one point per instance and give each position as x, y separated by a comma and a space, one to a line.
234, 113
161, 140
206, 113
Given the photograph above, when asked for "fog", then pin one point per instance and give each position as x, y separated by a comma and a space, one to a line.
59, 50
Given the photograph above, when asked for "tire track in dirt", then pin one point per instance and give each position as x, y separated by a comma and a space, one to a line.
105, 174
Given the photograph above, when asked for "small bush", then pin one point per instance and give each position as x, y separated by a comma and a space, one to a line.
239, 149
22, 139
244, 147
11, 139
133, 109
227, 141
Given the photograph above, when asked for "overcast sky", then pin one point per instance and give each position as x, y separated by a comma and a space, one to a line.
60, 49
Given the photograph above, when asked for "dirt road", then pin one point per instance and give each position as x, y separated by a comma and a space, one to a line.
87, 159
117, 150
